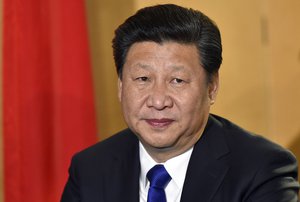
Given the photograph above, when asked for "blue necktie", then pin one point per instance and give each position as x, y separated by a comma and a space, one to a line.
159, 178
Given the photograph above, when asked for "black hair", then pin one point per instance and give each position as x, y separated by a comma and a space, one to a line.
169, 22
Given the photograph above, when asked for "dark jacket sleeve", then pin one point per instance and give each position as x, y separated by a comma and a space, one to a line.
71, 191
276, 180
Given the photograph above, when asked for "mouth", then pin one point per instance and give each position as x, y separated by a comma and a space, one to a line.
159, 123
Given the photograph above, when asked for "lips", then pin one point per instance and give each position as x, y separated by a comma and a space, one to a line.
159, 123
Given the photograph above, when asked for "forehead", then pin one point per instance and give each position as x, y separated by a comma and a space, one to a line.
166, 45
147, 54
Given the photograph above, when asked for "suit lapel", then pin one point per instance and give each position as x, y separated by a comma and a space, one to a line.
206, 170
122, 181
131, 176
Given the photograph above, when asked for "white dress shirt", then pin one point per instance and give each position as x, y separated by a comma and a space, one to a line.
176, 168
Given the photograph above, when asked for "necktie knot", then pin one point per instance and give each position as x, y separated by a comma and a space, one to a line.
159, 179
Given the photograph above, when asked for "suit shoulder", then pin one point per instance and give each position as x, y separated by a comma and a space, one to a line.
247, 144
115, 145
259, 168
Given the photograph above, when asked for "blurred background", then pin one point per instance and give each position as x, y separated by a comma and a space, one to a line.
259, 77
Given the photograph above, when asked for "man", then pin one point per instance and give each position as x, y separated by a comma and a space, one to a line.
167, 59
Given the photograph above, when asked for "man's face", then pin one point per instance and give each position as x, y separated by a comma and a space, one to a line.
165, 96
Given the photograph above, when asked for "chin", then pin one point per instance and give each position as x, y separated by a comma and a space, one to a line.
160, 144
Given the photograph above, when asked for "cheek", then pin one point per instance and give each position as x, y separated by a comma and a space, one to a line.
194, 104
132, 100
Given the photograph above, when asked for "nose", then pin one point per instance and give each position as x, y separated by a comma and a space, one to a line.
159, 97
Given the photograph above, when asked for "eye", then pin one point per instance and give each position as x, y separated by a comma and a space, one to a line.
177, 81
142, 79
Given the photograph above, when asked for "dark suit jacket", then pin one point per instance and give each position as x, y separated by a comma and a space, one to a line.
228, 164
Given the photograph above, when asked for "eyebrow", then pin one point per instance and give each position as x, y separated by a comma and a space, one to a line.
178, 68
144, 66
174, 67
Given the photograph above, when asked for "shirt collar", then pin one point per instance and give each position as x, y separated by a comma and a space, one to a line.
176, 166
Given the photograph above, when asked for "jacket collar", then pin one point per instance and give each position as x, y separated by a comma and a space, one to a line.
122, 180
205, 172
206, 169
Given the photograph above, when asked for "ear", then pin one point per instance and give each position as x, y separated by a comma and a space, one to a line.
120, 89
213, 88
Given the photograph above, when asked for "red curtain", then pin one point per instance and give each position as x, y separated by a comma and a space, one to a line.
48, 106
